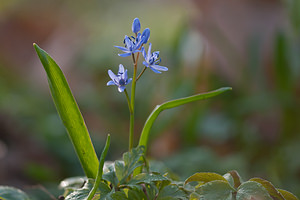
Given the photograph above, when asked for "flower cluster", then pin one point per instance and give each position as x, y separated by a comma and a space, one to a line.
134, 44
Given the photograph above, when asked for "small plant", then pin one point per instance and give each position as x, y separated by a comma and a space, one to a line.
131, 177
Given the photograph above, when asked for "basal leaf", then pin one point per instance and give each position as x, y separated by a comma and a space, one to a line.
205, 177
11, 193
172, 104
100, 169
270, 188
70, 114
252, 190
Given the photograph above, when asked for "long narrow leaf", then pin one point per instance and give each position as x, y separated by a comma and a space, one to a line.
70, 114
100, 169
172, 104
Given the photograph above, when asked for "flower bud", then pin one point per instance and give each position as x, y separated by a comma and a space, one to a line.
145, 35
136, 25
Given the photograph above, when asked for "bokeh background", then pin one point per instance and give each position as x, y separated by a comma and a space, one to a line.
251, 45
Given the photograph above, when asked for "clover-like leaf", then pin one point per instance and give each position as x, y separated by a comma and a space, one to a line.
110, 174
171, 192
287, 195
132, 160
252, 190
120, 170
270, 188
72, 182
205, 177
217, 189
148, 178
11, 193
82, 193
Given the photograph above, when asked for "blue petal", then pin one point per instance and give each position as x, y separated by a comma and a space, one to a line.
129, 81
155, 54
136, 25
121, 69
121, 88
144, 53
135, 51
112, 75
149, 51
124, 54
122, 48
125, 77
145, 63
156, 71
110, 83
128, 42
160, 68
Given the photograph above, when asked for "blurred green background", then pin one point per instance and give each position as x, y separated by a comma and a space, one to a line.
252, 46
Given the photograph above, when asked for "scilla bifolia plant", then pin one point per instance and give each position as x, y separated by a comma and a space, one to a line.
131, 178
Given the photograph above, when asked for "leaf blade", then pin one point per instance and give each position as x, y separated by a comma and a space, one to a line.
69, 113
172, 104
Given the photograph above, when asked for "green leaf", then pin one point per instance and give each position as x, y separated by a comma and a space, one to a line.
70, 114
73, 182
218, 189
287, 195
82, 193
171, 192
205, 177
270, 188
252, 190
120, 169
110, 176
147, 178
100, 169
119, 195
172, 104
132, 160
11, 193
136, 194
194, 196
233, 178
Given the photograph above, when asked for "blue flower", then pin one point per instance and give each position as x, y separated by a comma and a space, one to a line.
152, 61
132, 45
120, 80
136, 25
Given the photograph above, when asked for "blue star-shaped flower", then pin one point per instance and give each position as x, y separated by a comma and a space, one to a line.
151, 60
120, 80
133, 44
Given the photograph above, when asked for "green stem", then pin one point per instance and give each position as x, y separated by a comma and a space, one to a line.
100, 169
128, 101
141, 73
131, 128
